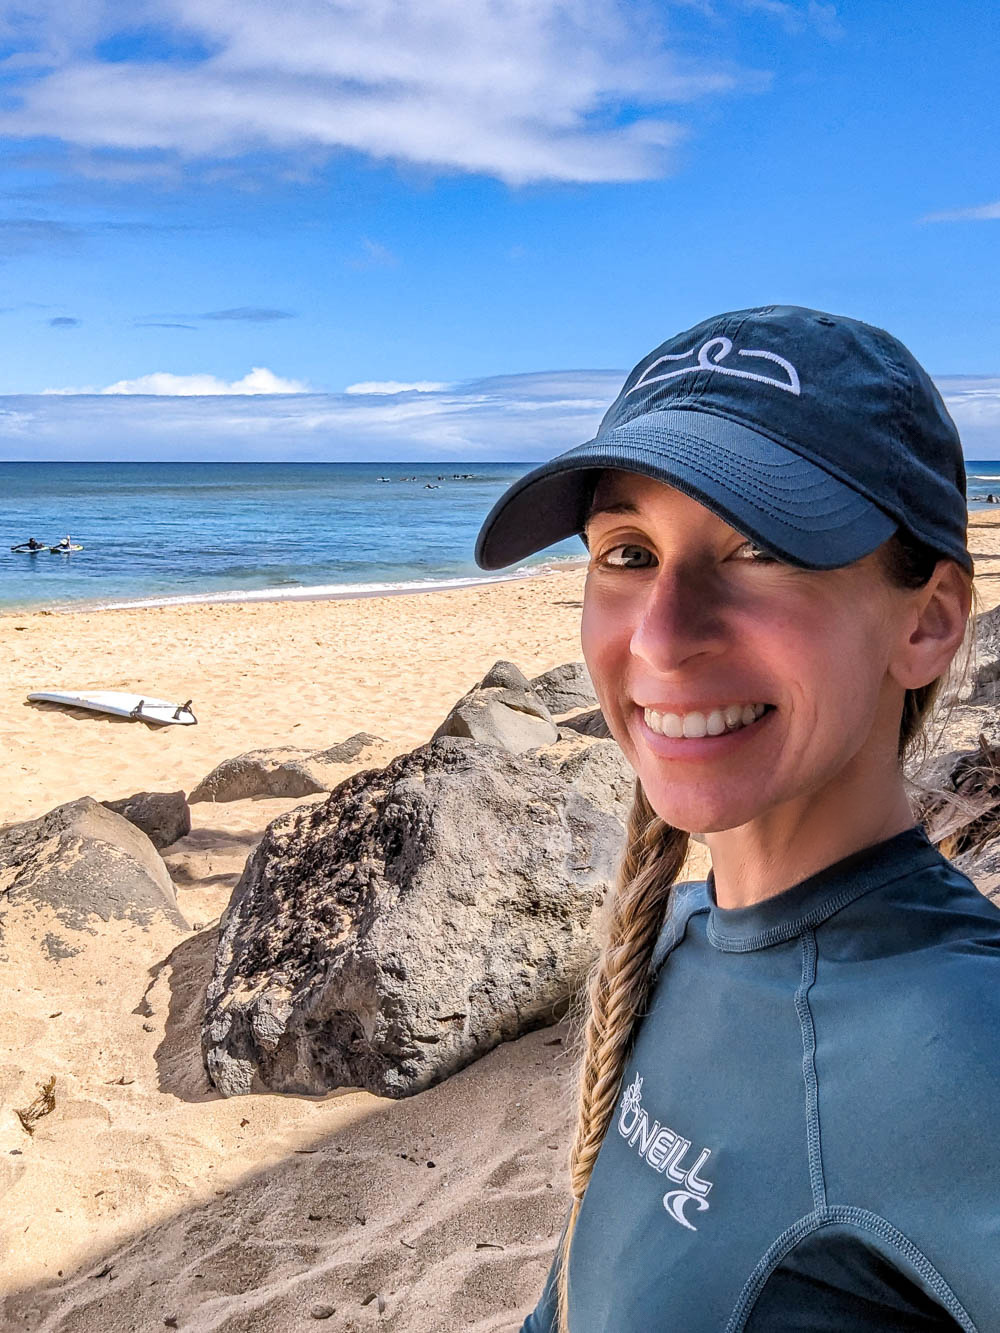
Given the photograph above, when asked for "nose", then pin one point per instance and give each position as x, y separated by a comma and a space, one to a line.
679, 619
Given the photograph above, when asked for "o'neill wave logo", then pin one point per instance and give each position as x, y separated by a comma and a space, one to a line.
665, 1151
710, 356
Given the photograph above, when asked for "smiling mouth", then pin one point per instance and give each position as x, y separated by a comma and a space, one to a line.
696, 725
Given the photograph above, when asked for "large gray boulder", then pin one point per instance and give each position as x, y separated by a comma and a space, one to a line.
288, 770
85, 861
565, 688
164, 816
503, 710
396, 932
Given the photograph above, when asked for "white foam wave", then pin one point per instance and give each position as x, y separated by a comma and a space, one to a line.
331, 591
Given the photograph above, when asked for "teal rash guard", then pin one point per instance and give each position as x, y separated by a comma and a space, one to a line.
806, 1136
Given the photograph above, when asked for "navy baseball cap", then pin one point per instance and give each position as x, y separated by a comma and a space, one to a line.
815, 435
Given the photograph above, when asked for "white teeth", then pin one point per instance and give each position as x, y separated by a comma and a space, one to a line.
695, 725
715, 723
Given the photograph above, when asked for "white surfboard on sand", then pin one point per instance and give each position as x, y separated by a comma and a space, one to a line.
139, 707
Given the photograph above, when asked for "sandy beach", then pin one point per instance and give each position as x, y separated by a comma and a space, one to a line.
147, 1201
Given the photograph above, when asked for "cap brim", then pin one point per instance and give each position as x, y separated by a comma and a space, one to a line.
793, 508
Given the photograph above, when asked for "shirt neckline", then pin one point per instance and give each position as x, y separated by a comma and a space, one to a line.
814, 900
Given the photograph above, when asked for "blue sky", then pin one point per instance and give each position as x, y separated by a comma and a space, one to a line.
218, 218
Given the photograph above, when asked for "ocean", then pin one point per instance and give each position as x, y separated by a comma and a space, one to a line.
162, 533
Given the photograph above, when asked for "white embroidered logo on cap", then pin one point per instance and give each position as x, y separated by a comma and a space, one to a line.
711, 359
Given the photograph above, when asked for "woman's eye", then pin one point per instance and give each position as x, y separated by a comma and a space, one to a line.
626, 556
749, 550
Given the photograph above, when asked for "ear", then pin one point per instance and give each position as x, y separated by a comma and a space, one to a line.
934, 629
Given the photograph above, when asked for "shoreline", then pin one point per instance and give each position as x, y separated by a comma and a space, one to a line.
300, 593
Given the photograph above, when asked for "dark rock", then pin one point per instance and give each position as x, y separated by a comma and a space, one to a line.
283, 771
164, 816
588, 724
345, 752
502, 710
565, 688
403, 928
85, 861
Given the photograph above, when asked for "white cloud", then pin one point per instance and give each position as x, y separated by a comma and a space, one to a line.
162, 383
526, 90
395, 386
981, 213
511, 417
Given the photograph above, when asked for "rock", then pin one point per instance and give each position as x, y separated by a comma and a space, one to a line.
981, 682
345, 752
164, 816
565, 688
602, 774
502, 710
588, 724
403, 928
84, 860
596, 768
283, 771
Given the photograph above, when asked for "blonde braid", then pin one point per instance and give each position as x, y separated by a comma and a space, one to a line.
619, 988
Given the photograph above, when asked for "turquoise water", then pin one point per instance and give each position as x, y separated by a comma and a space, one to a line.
166, 531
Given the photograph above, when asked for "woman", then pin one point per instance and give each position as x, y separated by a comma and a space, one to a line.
791, 1077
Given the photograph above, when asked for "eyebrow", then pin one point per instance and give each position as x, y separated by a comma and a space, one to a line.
613, 507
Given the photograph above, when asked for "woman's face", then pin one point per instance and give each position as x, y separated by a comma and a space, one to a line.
689, 630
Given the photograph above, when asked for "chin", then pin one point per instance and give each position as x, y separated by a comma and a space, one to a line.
704, 815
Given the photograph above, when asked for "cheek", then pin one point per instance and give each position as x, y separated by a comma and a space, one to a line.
835, 680
605, 636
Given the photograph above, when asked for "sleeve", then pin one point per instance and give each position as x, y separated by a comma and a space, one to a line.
832, 1282
543, 1318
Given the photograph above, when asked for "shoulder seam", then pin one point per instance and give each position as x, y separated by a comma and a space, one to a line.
846, 1215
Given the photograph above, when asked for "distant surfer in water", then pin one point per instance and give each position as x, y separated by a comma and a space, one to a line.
66, 543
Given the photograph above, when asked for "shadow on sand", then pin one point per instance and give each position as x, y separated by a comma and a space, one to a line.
435, 1213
